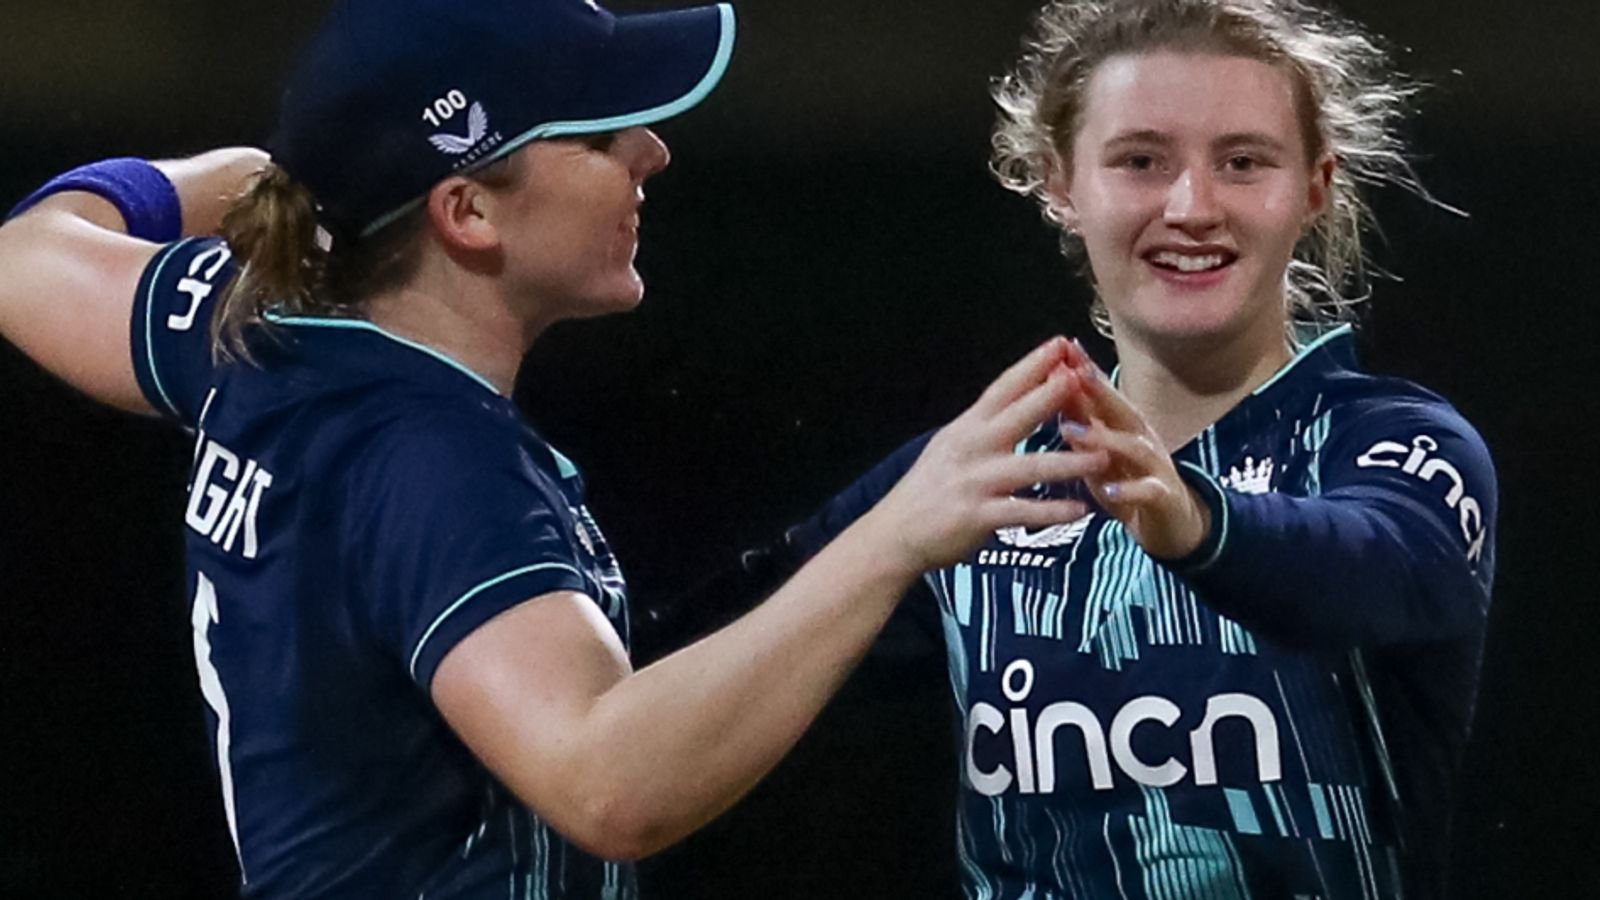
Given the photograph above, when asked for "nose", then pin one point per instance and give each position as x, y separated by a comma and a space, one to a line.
1192, 202
647, 153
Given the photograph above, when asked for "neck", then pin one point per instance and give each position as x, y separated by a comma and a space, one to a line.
462, 316
1182, 388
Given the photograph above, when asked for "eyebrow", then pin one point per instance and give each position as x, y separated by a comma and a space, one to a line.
1250, 139
1149, 136
1140, 136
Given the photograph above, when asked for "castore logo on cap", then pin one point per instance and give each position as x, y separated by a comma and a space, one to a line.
477, 127
473, 145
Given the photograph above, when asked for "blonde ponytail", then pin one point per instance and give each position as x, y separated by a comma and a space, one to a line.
283, 267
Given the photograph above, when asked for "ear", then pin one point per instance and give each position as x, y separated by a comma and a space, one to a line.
1058, 193
1319, 192
460, 211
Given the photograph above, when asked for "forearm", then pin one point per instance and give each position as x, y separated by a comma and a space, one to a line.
669, 748
1337, 572
69, 268
205, 186
625, 763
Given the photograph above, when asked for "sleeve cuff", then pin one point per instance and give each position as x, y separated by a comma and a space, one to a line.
482, 603
1211, 546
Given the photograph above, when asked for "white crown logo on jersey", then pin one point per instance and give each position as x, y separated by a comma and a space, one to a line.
477, 127
1254, 478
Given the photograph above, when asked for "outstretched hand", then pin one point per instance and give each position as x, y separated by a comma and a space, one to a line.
1139, 485
963, 486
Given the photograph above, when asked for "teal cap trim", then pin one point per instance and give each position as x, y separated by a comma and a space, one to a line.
364, 325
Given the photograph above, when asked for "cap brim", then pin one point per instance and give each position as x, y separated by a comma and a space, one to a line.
654, 67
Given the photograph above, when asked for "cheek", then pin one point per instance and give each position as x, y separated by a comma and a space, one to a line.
1118, 213
1110, 227
1281, 215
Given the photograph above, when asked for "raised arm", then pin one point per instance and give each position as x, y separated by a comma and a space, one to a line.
69, 267
1396, 549
626, 763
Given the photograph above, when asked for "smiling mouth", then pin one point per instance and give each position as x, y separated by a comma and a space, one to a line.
1191, 262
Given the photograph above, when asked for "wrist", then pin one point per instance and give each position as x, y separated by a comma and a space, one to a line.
210, 182
891, 553
1199, 521
1210, 520
142, 194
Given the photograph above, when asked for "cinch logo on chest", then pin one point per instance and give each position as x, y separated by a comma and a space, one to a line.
1033, 747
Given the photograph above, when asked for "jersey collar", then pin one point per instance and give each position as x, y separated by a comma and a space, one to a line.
365, 326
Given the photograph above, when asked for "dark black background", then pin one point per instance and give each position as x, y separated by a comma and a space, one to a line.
830, 272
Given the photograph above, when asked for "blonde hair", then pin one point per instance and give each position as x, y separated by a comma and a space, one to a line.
290, 264
1349, 101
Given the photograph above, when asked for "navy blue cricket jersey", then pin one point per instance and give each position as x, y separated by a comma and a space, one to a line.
1280, 714
358, 504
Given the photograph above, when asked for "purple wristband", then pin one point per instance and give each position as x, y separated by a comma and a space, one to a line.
141, 192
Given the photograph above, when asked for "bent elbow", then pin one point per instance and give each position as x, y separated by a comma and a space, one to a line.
621, 828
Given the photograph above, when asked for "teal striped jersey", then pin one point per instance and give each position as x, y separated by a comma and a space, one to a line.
1279, 714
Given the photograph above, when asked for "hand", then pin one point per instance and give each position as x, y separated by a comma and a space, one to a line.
962, 487
1140, 485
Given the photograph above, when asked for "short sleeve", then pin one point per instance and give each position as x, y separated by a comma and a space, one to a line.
452, 522
171, 326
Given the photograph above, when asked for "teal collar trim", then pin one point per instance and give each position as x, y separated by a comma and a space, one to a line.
1306, 351
364, 325
1277, 376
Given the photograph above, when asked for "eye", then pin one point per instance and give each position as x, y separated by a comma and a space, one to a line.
1137, 162
1242, 163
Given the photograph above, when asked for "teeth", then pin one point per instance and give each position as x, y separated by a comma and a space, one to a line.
1185, 263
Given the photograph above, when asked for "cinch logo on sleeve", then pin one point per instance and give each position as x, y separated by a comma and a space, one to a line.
199, 284
1033, 745
1417, 462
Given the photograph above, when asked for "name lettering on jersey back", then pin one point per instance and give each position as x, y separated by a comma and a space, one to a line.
1032, 750
199, 284
1418, 462
225, 497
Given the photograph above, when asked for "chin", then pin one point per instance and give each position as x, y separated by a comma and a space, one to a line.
1183, 320
623, 295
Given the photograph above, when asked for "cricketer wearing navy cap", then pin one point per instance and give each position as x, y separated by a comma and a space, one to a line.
409, 630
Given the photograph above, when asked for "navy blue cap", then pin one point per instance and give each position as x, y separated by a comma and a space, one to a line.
393, 95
